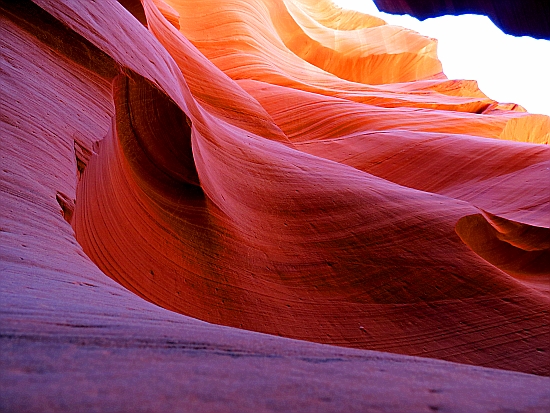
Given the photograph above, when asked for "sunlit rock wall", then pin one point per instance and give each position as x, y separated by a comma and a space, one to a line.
284, 167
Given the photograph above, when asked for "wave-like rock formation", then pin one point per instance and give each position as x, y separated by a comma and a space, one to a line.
279, 166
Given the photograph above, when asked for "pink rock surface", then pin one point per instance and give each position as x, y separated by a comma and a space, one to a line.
214, 166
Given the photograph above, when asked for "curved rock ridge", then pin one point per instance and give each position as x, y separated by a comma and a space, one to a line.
283, 167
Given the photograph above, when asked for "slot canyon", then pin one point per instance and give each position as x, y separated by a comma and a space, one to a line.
262, 206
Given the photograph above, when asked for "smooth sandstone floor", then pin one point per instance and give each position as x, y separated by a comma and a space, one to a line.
272, 196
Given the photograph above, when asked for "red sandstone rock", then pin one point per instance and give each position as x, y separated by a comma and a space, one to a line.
235, 165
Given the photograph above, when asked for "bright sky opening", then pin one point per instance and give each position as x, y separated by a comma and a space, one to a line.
507, 68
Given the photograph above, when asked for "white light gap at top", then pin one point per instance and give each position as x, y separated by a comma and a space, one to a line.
507, 68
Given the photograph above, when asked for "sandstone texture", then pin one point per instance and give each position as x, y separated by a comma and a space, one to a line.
248, 205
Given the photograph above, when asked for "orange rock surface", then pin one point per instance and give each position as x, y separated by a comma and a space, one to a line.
279, 166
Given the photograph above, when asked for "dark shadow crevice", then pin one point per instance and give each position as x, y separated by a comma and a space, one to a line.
520, 250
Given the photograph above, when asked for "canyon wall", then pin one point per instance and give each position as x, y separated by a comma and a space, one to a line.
278, 167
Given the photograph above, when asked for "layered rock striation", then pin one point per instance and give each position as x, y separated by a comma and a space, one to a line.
283, 167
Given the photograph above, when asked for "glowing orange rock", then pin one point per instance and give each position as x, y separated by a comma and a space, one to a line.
278, 241
281, 166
